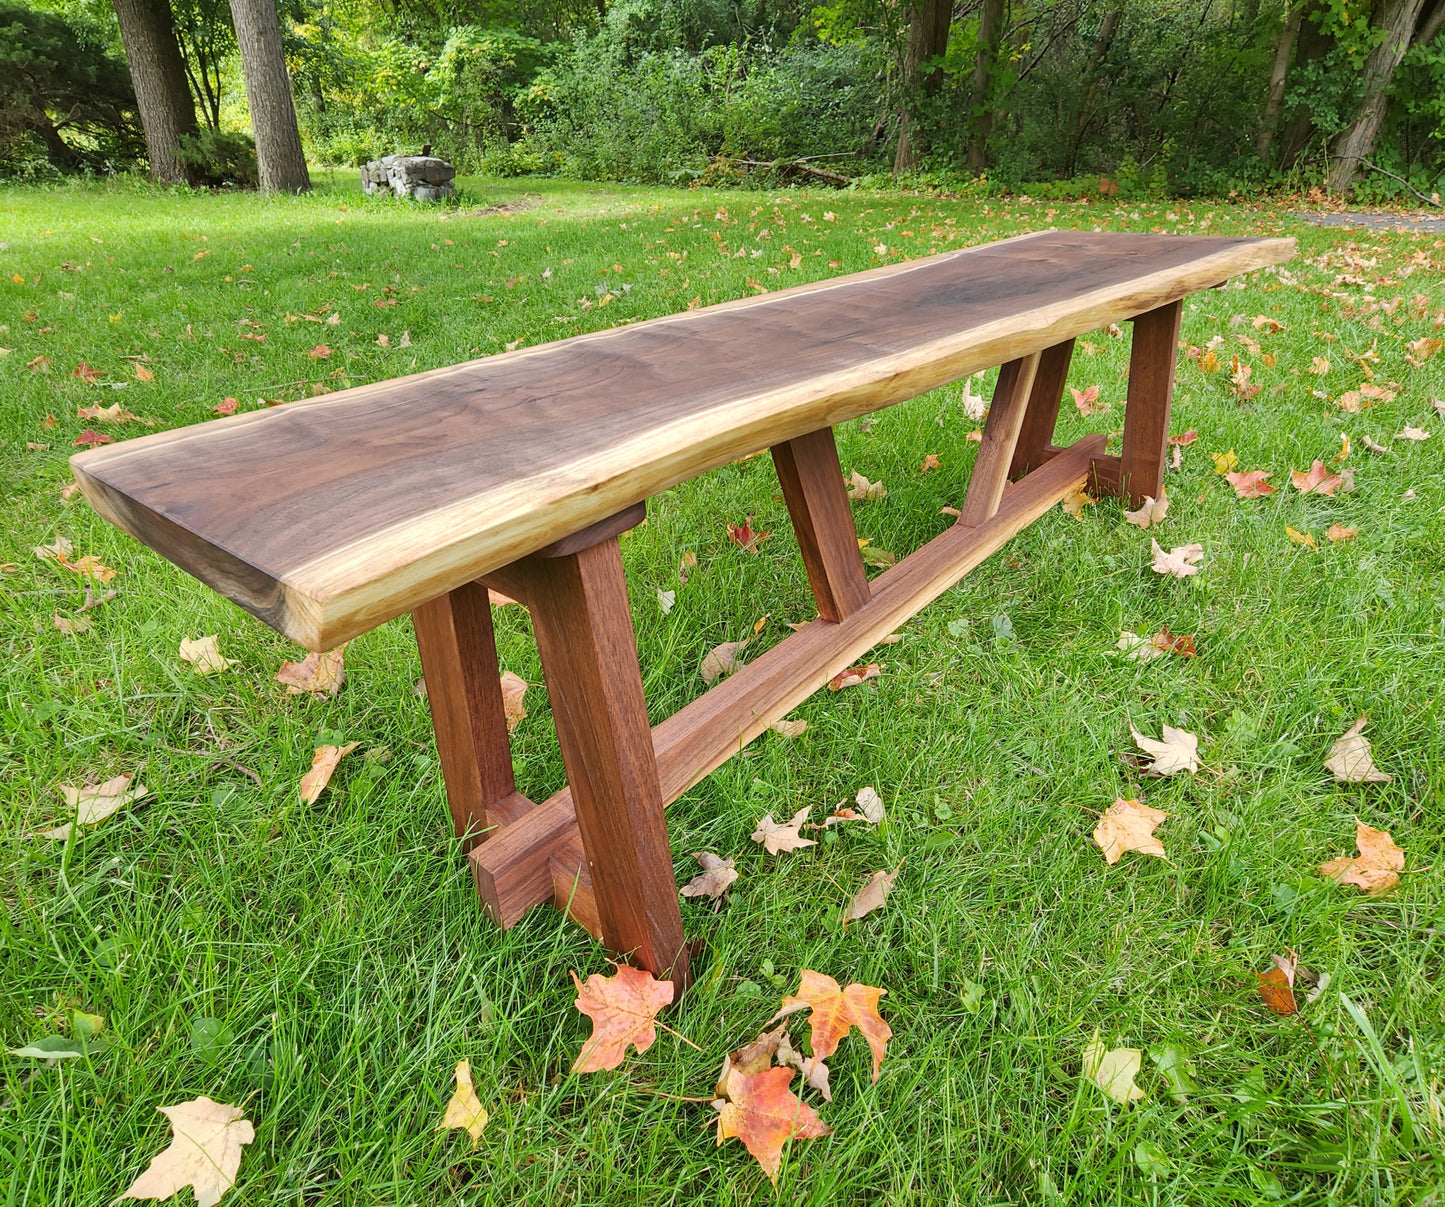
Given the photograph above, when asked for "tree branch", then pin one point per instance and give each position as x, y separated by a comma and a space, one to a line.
1427, 200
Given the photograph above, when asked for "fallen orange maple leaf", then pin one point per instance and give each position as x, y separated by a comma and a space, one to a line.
836, 1011
760, 1110
1376, 869
1277, 985
1128, 825
621, 1008
1317, 481
745, 537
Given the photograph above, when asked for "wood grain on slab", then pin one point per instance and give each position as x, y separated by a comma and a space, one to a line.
328, 516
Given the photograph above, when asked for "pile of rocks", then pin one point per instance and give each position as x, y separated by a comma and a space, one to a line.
421, 177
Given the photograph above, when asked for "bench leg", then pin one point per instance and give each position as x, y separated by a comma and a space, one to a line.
1011, 397
1042, 414
584, 634
1146, 414
817, 498
459, 659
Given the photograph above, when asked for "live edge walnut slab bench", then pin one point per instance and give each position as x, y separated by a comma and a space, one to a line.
326, 518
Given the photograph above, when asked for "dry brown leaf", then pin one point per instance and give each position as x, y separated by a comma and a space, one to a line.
1151, 511
717, 874
465, 1110
1376, 869
1179, 751
1300, 538
722, 660
323, 763
871, 803
1338, 532
835, 1011
1317, 481
96, 802
621, 1008
930, 462
1087, 401
764, 1114
789, 729
71, 627
1181, 561
1369, 443
317, 673
1128, 825
777, 839
1350, 759
204, 654
115, 413
204, 1153
1251, 485
814, 1071
871, 896
1076, 500
855, 675
1277, 985
744, 537
1184, 438
1224, 462
514, 687
860, 488
1412, 433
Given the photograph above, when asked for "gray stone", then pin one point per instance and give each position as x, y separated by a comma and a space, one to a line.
421, 177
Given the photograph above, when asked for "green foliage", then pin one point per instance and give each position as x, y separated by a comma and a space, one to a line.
221, 159
66, 102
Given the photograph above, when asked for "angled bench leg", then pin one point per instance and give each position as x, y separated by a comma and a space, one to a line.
817, 498
1000, 437
459, 660
583, 626
1042, 413
1146, 414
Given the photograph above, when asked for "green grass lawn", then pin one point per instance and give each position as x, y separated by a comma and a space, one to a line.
326, 966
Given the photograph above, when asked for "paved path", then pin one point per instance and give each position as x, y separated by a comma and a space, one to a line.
1388, 220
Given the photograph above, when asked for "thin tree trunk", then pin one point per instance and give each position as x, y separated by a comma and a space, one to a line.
159, 76
60, 153
1355, 143
1430, 25
927, 39
1107, 29
1275, 99
280, 161
990, 24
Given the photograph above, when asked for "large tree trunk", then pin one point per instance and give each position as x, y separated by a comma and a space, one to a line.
1275, 99
1311, 45
990, 24
927, 39
280, 161
1355, 143
159, 76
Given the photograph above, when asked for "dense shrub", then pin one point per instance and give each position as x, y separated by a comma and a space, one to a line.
220, 159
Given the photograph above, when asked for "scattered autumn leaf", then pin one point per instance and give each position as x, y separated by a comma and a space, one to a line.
1168, 643
760, 1110
1113, 1071
465, 1110
1128, 825
227, 406
1179, 751
713, 881
1338, 532
1224, 462
860, 488
1376, 869
1318, 480
323, 764
320, 352
90, 439
1350, 759
86, 373
871, 896
1300, 538
1181, 561
514, 687
1369, 443
115, 413
622, 1009
836, 1011
1184, 438
69, 627
855, 675
204, 654
975, 407
1076, 500
744, 536
1319, 366
1277, 985
1412, 433
722, 660
1251, 485
143, 374
1423, 349
1087, 401
204, 1153
777, 838
317, 673
95, 802
870, 803
1150, 511
930, 462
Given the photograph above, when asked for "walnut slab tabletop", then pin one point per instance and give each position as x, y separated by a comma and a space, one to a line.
326, 517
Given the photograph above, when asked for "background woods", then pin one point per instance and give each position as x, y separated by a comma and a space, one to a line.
1183, 96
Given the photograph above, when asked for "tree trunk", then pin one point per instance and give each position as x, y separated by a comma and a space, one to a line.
1311, 45
1355, 143
280, 161
1107, 29
59, 152
927, 39
1275, 99
990, 23
159, 77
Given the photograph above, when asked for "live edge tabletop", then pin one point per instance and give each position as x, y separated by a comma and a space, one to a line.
326, 517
